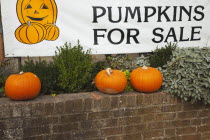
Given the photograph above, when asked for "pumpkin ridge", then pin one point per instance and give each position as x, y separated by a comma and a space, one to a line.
53, 4
43, 29
53, 33
27, 34
18, 30
20, 5
24, 41
37, 33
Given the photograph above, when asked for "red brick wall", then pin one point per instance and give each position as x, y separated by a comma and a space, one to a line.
97, 116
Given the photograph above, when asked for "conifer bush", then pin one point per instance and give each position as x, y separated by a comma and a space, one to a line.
74, 67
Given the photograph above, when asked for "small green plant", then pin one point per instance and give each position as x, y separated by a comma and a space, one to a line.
74, 66
47, 72
160, 56
187, 75
129, 86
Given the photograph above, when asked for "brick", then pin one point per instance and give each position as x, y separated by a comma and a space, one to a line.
93, 124
180, 123
170, 132
135, 128
13, 133
130, 120
29, 132
204, 113
5, 111
114, 138
34, 138
82, 135
99, 115
62, 136
131, 100
111, 122
112, 131
11, 123
195, 122
156, 125
153, 134
26, 110
123, 101
148, 99
38, 109
165, 116
159, 98
134, 136
114, 102
205, 136
191, 137
204, 128
105, 103
171, 108
48, 108
186, 130
139, 99
17, 110
74, 106
195, 106
40, 121
58, 108
88, 103
73, 118
205, 121
60, 128
148, 110
188, 115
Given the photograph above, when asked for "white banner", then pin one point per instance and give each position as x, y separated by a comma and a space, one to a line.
37, 27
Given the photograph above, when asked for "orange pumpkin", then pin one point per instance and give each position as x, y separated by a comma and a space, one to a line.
40, 11
52, 32
30, 33
146, 79
110, 81
23, 86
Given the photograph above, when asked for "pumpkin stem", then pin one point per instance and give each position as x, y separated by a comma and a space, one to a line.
21, 72
144, 67
29, 23
109, 71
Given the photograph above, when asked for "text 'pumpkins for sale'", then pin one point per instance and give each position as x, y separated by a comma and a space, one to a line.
146, 79
110, 81
23, 86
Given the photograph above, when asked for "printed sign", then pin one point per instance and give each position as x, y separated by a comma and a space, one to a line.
37, 27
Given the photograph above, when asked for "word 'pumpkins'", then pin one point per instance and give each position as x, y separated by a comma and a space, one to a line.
23, 86
110, 81
52, 32
146, 79
30, 33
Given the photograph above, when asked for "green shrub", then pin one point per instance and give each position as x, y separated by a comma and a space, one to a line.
3, 77
97, 67
187, 75
160, 56
47, 72
74, 66
119, 61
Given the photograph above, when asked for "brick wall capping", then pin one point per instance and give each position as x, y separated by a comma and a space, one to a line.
95, 95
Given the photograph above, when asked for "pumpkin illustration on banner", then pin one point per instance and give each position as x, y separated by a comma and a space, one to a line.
37, 12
